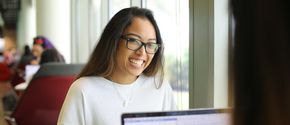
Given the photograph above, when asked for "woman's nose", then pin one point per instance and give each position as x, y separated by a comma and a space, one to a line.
141, 51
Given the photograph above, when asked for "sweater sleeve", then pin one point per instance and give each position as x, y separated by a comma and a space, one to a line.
72, 111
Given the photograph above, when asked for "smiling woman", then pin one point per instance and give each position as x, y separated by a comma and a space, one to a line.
123, 74
133, 61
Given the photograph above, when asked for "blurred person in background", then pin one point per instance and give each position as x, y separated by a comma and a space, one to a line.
261, 62
27, 56
19, 74
40, 43
8, 98
11, 57
50, 56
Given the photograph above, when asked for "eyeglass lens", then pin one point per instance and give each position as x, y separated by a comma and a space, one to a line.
134, 44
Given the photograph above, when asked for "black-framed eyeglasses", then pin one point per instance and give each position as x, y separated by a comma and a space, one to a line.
135, 44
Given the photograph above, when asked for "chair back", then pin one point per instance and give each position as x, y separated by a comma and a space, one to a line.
42, 100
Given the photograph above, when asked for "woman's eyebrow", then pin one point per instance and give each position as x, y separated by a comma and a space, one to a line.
133, 34
152, 39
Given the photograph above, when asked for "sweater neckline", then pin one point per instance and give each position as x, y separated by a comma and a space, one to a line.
124, 85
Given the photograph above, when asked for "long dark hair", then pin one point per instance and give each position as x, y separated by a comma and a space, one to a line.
51, 56
261, 62
103, 59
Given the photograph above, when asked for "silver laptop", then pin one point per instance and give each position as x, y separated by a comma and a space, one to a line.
184, 117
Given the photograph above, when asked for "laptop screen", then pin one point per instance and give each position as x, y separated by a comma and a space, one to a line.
185, 117
30, 70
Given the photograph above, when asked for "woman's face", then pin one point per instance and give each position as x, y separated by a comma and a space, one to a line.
131, 64
37, 50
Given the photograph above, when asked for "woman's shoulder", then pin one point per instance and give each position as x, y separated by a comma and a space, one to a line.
88, 82
87, 79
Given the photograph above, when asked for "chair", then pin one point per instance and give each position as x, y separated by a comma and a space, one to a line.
42, 100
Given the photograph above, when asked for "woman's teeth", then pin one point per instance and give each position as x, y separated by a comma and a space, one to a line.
136, 61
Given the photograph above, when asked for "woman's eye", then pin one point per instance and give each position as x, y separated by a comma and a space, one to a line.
151, 45
131, 40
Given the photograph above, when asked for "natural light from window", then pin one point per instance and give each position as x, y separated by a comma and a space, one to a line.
173, 19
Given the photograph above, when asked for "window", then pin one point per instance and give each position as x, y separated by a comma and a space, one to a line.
173, 21
117, 5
